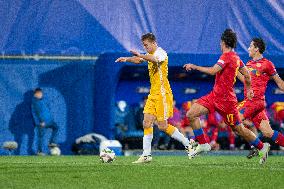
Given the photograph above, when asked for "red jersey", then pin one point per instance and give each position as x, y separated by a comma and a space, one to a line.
260, 72
223, 89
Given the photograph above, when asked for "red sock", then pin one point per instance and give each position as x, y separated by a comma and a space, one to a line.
200, 136
201, 139
257, 144
278, 138
207, 138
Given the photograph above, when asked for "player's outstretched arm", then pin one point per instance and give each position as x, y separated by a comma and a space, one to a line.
146, 57
278, 81
133, 59
208, 70
247, 81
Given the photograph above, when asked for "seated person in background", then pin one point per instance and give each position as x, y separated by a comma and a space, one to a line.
276, 118
43, 119
278, 112
139, 115
185, 123
128, 119
121, 122
176, 119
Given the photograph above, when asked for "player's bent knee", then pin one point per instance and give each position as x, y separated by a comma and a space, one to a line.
147, 124
163, 125
191, 115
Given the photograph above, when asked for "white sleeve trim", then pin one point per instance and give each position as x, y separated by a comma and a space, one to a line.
160, 54
221, 61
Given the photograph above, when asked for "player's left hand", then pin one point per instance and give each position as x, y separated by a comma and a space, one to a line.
121, 59
189, 67
250, 94
135, 53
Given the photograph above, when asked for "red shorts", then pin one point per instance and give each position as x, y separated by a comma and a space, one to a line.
227, 109
253, 111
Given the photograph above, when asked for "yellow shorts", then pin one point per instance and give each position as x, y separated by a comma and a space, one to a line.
161, 106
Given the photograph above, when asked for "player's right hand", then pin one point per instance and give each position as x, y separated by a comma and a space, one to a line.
189, 67
121, 59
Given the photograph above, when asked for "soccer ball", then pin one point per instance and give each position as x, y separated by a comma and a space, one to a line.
55, 151
107, 156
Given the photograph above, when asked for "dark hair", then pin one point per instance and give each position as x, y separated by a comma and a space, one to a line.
37, 90
149, 36
260, 44
229, 37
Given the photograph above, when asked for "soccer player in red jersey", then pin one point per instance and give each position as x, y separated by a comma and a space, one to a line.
222, 98
252, 112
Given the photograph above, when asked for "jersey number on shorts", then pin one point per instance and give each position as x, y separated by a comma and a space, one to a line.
230, 119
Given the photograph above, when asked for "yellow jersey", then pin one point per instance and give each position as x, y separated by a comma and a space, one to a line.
158, 73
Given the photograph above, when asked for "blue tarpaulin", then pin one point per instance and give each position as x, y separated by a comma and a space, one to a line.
182, 26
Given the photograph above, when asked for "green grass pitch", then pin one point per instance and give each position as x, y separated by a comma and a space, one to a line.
164, 172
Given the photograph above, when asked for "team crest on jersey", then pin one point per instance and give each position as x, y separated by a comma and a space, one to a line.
254, 71
258, 65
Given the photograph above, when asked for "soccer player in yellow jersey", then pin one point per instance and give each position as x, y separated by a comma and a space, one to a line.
159, 105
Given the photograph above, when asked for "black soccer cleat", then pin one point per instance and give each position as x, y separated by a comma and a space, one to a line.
252, 153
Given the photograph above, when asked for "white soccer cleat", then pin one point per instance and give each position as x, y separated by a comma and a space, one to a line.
143, 159
263, 153
191, 147
193, 143
199, 149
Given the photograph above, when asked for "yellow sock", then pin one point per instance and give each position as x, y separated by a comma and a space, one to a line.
174, 133
170, 130
148, 131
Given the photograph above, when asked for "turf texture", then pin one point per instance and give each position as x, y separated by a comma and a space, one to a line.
164, 172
